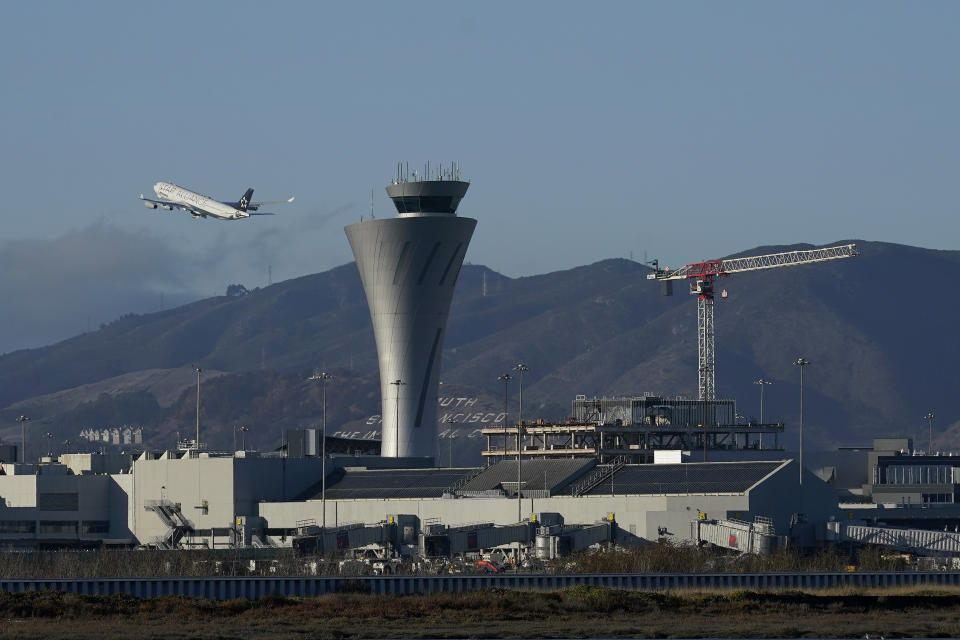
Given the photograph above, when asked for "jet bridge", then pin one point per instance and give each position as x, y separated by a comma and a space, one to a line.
922, 542
545, 532
561, 539
441, 540
314, 540
746, 537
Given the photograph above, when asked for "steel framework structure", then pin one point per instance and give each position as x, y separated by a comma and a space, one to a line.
701, 276
634, 443
706, 344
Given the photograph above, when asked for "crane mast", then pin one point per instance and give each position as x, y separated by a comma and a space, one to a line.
701, 276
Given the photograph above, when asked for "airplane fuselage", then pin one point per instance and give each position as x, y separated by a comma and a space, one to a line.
199, 205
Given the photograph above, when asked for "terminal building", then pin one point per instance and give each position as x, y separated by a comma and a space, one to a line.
187, 499
215, 500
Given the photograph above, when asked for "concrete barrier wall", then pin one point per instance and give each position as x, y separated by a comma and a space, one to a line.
257, 587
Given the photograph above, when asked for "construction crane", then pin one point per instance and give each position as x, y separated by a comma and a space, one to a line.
701, 276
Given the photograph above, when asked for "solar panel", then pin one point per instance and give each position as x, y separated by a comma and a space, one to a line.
551, 475
725, 477
393, 483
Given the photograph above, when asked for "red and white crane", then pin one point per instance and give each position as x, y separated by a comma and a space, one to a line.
701, 276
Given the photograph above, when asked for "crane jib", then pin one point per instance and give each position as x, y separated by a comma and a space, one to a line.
702, 270
712, 268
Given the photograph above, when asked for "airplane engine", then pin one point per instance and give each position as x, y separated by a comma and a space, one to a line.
150, 205
167, 207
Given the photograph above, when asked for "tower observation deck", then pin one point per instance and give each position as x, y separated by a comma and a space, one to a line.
408, 266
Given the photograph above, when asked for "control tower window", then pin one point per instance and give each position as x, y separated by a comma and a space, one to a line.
430, 204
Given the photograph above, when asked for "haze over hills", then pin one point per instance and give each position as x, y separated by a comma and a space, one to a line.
877, 330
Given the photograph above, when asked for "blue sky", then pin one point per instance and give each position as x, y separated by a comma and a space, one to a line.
683, 130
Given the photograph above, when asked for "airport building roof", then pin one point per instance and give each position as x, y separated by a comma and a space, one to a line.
688, 478
381, 484
555, 476
538, 475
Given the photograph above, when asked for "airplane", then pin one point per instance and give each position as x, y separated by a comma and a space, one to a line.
201, 206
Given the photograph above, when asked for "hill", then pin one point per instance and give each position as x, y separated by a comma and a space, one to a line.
879, 338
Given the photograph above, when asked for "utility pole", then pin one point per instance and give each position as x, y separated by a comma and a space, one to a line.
323, 452
800, 362
505, 378
929, 418
323, 377
449, 443
197, 441
520, 368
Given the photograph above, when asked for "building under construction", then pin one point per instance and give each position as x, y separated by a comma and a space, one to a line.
632, 428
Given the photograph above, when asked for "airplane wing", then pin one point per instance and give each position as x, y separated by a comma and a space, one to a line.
166, 204
163, 202
253, 206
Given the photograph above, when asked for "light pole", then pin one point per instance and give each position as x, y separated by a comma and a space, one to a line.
323, 377
323, 452
49, 437
23, 437
397, 383
929, 418
505, 378
196, 442
800, 362
762, 383
450, 442
520, 368
243, 437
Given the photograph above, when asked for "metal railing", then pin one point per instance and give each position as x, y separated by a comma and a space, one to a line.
253, 587
598, 476
452, 489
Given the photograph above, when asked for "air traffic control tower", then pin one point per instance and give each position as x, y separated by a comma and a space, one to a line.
409, 266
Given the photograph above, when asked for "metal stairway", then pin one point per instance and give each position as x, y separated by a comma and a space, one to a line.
596, 477
451, 491
171, 515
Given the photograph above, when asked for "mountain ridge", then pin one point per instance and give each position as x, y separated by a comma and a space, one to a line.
880, 361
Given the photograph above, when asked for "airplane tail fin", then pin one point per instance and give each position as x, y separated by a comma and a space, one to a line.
245, 200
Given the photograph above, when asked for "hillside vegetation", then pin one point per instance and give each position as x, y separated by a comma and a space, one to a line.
879, 338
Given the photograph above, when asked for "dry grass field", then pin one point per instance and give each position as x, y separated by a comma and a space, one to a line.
579, 612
